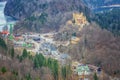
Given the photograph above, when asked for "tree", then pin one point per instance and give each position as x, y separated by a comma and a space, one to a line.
15, 73
109, 20
28, 77
49, 63
12, 53
55, 69
3, 44
43, 17
11, 28
66, 72
95, 77
3, 70
39, 61
11, 37
63, 73
74, 34
20, 58
24, 54
36, 63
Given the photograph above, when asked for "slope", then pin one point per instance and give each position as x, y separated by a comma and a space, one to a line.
48, 14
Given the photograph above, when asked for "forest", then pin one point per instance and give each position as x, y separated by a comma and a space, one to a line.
109, 20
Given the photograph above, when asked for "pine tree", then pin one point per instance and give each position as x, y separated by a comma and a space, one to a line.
28, 77
63, 73
3, 44
12, 53
3, 70
11, 28
36, 63
24, 54
55, 69
95, 77
66, 72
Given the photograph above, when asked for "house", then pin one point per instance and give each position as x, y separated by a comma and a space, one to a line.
50, 47
64, 59
28, 45
64, 56
75, 40
74, 64
95, 68
18, 37
83, 70
18, 43
37, 39
4, 33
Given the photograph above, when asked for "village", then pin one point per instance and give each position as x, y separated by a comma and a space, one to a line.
44, 44
37, 43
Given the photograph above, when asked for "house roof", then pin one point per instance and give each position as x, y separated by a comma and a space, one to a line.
49, 46
75, 63
4, 32
82, 69
36, 39
63, 56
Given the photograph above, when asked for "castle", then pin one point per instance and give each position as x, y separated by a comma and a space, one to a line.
79, 19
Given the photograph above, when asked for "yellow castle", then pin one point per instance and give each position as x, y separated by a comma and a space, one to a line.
79, 19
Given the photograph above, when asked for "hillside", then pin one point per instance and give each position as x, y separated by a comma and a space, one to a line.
18, 64
95, 46
88, 42
109, 20
40, 15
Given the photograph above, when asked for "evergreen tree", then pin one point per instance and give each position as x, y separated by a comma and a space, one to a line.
20, 58
55, 69
49, 63
95, 77
36, 63
66, 72
74, 34
11, 37
11, 28
39, 60
28, 77
63, 73
3, 44
12, 53
3, 70
24, 54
